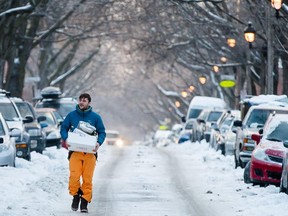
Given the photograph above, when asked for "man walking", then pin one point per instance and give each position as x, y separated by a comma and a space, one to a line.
81, 164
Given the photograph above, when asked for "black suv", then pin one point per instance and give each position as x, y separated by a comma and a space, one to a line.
14, 120
51, 98
37, 135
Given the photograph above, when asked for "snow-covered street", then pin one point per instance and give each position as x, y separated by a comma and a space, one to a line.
140, 179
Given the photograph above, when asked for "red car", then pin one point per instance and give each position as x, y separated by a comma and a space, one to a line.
265, 166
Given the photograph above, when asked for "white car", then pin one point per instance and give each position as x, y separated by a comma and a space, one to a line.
7, 143
113, 138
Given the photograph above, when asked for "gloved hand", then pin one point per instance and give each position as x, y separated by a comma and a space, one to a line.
64, 144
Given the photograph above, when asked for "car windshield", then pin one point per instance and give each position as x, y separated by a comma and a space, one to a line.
112, 135
62, 107
214, 116
189, 125
278, 133
24, 109
49, 117
258, 117
8, 111
194, 113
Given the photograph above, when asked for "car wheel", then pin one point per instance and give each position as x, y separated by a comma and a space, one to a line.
282, 189
40, 151
242, 164
28, 157
247, 178
235, 160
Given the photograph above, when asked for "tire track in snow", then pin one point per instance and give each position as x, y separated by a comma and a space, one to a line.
102, 194
193, 206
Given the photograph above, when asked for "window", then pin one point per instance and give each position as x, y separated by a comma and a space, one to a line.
8, 111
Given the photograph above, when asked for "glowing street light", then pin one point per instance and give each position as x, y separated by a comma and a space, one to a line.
184, 94
191, 88
277, 4
177, 104
215, 68
202, 79
249, 34
231, 42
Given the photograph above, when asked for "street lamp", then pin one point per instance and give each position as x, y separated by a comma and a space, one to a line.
249, 34
277, 4
215, 68
184, 94
177, 104
202, 79
231, 42
191, 88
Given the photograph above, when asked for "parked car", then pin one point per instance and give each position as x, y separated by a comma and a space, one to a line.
201, 124
186, 132
197, 104
214, 130
215, 117
284, 173
51, 126
224, 136
265, 166
252, 122
37, 135
7, 143
51, 98
14, 120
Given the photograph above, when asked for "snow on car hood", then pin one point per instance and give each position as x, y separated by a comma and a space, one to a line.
15, 124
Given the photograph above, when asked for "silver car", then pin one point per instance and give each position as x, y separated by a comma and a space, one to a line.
7, 143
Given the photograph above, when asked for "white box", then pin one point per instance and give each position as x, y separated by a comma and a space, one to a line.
81, 142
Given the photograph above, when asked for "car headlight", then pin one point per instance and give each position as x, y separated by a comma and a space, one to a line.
260, 154
119, 142
34, 132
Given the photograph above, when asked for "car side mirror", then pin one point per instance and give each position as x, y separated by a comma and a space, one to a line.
28, 119
41, 118
201, 121
237, 123
260, 131
183, 119
285, 143
1, 140
256, 138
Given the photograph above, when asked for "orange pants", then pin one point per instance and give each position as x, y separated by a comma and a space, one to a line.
81, 165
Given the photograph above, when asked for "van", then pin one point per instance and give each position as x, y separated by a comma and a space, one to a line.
197, 104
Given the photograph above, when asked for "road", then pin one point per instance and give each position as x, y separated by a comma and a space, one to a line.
142, 180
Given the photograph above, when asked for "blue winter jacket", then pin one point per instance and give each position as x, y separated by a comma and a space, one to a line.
72, 120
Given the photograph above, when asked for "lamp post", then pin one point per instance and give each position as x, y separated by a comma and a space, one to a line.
270, 53
249, 34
